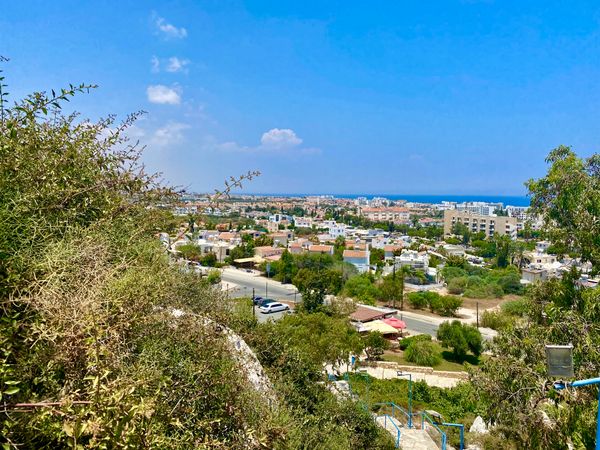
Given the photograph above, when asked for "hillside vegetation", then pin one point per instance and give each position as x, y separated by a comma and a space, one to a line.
95, 351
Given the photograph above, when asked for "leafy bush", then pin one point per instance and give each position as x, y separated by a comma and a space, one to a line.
214, 277
418, 300
404, 343
443, 305
457, 285
448, 305
515, 307
461, 338
362, 288
496, 320
423, 352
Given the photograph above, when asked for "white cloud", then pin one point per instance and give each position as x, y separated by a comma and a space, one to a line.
155, 62
280, 138
171, 133
276, 140
177, 65
170, 30
163, 95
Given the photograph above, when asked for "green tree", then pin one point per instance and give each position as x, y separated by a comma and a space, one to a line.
313, 286
392, 289
338, 247
568, 200
362, 288
190, 252
286, 266
375, 344
460, 229
376, 257
461, 338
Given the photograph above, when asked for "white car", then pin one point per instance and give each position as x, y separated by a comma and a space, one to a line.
273, 307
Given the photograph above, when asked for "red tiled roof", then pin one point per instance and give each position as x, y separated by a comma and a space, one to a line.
355, 254
320, 248
391, 248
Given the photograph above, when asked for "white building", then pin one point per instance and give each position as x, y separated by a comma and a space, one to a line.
276, 218
413, 259
303, 222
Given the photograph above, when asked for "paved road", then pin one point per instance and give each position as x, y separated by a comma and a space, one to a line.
272, 316
243, 282
420, 326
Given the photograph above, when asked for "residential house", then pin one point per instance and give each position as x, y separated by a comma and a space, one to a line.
359, 258
319, 248
412, 259
303, 222
391, 250
281, 238
267, 250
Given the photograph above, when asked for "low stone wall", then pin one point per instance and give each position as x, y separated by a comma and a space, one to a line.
417, 369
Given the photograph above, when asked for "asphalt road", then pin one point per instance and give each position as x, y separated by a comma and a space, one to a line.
272, 316
420, 326
242, 284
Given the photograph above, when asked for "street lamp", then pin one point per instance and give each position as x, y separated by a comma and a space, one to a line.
399, 373
560, 364
365, 374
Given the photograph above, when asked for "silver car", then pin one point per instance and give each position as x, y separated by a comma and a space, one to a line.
273, 307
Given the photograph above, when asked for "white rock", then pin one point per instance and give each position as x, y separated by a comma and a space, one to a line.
478, 426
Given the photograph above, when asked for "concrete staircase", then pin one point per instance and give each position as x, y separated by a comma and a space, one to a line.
410, 439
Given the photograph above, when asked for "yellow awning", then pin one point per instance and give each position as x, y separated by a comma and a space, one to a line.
378, 325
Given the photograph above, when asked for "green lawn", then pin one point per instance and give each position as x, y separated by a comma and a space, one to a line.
447, 363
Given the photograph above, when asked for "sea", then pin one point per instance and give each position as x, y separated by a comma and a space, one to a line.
506, 200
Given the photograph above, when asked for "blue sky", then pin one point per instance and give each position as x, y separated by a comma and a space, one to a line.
438, 97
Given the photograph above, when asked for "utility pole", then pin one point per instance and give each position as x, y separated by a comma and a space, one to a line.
394, 283
477, 314
266, 288
253, 305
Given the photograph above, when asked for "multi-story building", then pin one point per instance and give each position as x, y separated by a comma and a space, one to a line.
490, 225
394, 214
481, 208
520, 212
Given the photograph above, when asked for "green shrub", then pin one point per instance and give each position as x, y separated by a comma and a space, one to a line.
423, 352
448, 305
496, 320
417, 300
457, 285
515, 307
404, 343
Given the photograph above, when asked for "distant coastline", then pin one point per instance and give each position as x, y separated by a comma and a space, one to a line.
512, 200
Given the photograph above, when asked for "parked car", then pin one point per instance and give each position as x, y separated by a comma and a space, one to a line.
273, 307
265, 301
257, 299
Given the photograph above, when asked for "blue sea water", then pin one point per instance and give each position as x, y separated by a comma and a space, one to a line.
418, 198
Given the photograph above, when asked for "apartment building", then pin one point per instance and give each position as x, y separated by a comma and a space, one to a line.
393, 214
490, 225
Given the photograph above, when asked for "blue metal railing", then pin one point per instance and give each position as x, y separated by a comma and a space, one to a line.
461, 429
425, 417
385, 419
397, 409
